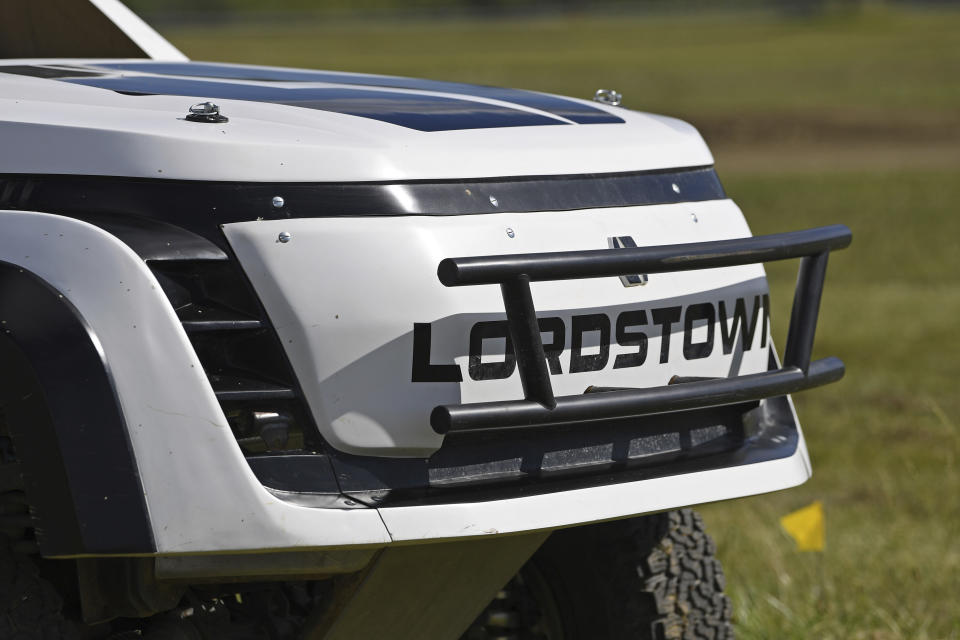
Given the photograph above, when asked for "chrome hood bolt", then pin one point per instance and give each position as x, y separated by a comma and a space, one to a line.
206, 112
608, 96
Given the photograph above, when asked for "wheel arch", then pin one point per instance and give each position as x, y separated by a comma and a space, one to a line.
67, 425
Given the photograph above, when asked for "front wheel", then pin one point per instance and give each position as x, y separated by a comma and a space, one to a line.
653, 577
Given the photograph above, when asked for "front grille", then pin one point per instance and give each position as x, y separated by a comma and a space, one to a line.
240, 354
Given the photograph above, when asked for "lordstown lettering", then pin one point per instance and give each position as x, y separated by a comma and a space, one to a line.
630, 329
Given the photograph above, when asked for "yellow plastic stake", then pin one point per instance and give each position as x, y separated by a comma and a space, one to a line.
807, 527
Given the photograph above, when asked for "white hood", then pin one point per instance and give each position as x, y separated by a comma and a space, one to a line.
127, 118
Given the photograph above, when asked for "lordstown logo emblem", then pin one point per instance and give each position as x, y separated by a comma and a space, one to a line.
626, 242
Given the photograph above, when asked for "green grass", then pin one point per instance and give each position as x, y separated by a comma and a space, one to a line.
872, 64
885, 441
813, 104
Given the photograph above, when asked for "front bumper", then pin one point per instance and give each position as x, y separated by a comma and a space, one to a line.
497, 451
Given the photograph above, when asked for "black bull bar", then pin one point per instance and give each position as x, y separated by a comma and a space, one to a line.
540, 407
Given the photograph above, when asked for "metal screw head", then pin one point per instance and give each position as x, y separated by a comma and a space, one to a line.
608, 96
694, 216
284, 237
510, 232
494, 201
278, 202
675, 187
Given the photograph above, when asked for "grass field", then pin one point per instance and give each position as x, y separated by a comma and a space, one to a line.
851, 118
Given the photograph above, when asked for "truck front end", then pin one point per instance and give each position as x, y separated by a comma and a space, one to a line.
354, 325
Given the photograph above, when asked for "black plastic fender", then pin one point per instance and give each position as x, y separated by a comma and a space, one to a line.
67, 425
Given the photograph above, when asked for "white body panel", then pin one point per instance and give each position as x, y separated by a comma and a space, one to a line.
53, 127
344, 293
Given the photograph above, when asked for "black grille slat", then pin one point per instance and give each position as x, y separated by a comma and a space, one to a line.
197, 326
256, 394
232, 387
238, 349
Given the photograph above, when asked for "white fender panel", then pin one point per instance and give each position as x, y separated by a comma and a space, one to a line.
200, 492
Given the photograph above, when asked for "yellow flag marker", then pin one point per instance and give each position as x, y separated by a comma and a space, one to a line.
806, 526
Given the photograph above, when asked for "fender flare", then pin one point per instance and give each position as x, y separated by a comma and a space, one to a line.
63, 414
201, 494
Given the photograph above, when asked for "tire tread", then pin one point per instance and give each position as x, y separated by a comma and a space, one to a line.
675, 561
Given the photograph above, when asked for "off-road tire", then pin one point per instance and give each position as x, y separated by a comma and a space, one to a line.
648, 578
30, 608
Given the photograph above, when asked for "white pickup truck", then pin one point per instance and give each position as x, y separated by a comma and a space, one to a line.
308, 354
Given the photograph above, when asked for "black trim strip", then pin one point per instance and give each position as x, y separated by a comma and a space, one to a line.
235, 395
539, 408
558, 106
201, 207
67, 425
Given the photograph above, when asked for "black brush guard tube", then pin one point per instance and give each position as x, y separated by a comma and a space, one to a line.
514, 273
